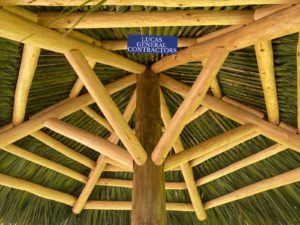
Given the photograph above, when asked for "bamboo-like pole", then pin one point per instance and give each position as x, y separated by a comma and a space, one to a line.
59, 111
279, 24
208, 146
155, 3
22, 30
186, 169
278, 134
148, 194
298, 83
28, 66
102, 162
189, 105
63, 149
92, 141
265, 61
36, 189
107, 106
78, 85
145, 19
261, 186
13, 149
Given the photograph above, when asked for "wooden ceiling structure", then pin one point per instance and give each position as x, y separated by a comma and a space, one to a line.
248, 28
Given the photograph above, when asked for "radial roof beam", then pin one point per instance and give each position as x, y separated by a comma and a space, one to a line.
92, 141
156, 3
101, 162
28, 66
144, 19
265, 61
189, 105
278, 134
279, 24
186, 169
59, 111
36, 35
107, 106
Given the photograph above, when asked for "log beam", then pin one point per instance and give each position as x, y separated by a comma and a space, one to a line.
145, 19
155, 3
279, 24
62, 109
277, 133
189, 105
22, 30
265, 61
186, 169
102, 162
107, 105
90, 140
148, 197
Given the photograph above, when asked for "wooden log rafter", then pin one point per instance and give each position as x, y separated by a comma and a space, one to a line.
36, 35
279, 24
101, 162
145, 19
189, 105
156, 3
186, 169
276, 133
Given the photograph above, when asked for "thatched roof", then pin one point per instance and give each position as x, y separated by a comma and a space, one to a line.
238, 78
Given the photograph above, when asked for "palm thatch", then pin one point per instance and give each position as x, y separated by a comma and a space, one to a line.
238, 79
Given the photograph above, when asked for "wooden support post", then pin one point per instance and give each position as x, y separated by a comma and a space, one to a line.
186, 169
265, 61
107, 105
189, 105
149, 199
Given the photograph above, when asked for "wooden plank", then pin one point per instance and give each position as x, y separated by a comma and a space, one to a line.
102, 162
107, 106
155, 3
63, 149
90, 140
189, 105
298, 84
148, 196
36, 189
28, 66
186, 169
97, 20
208, 146
279, 24
27, 155
277, 133
256, 188
60, 111
265, 61
27, 32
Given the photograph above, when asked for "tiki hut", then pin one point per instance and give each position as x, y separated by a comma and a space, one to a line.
92, 133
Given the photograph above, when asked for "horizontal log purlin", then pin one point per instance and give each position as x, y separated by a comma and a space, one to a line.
144, 19
68, 107
155, 3
277, 133
22, 30
279, 24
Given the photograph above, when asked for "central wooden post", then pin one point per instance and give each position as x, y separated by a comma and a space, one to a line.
149, 198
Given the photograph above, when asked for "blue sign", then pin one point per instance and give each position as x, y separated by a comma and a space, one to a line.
152, 44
